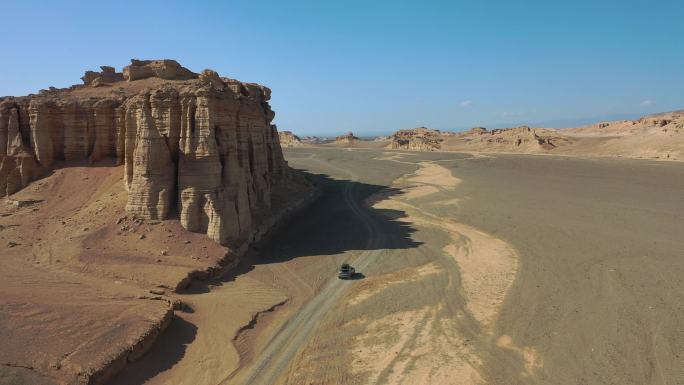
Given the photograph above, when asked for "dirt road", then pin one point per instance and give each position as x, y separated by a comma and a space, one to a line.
283, 347
417, 317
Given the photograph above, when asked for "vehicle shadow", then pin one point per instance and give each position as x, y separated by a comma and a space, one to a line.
338, 221
357, 276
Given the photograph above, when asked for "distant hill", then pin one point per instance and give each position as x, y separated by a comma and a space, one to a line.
655, 136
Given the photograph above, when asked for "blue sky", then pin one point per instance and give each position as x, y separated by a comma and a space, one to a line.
376, 66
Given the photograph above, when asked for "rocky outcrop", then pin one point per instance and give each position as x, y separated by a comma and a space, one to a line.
200, 146
416, 139
477, 131
658, 136
531, 139
107, 76
518, 139
314, 140
347, 140
162, 69
288, 139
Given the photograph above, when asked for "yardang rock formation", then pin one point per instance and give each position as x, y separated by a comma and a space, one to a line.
347, 140
416, 139
658, 136
289, 139
198, 144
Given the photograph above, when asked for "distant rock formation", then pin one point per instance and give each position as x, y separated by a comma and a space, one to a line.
288, 139
658, 136
518, 139
478, 131
416, 139
346, 140
198, 144
314, 140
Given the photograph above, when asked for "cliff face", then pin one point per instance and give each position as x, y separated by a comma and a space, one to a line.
197, 144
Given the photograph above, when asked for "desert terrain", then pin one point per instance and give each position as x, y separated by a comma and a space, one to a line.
154, 231
496, 269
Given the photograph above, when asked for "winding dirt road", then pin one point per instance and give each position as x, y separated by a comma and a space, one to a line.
285, 344
326, 343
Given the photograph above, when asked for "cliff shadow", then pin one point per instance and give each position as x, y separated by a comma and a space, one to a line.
168, 350
338, 222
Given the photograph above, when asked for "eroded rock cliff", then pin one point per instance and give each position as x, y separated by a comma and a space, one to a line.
197, 145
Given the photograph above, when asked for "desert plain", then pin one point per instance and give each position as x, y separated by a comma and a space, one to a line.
476, 269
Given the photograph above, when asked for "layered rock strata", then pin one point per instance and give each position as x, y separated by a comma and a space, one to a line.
197, 145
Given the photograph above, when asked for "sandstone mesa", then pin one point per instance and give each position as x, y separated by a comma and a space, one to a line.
199, 144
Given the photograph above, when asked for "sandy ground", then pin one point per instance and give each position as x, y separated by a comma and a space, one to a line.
83, 286
599, 285
70, 307
473, 270
429, 343
204, 340
506, 280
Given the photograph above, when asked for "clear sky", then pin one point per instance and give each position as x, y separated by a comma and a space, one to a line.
376, 66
